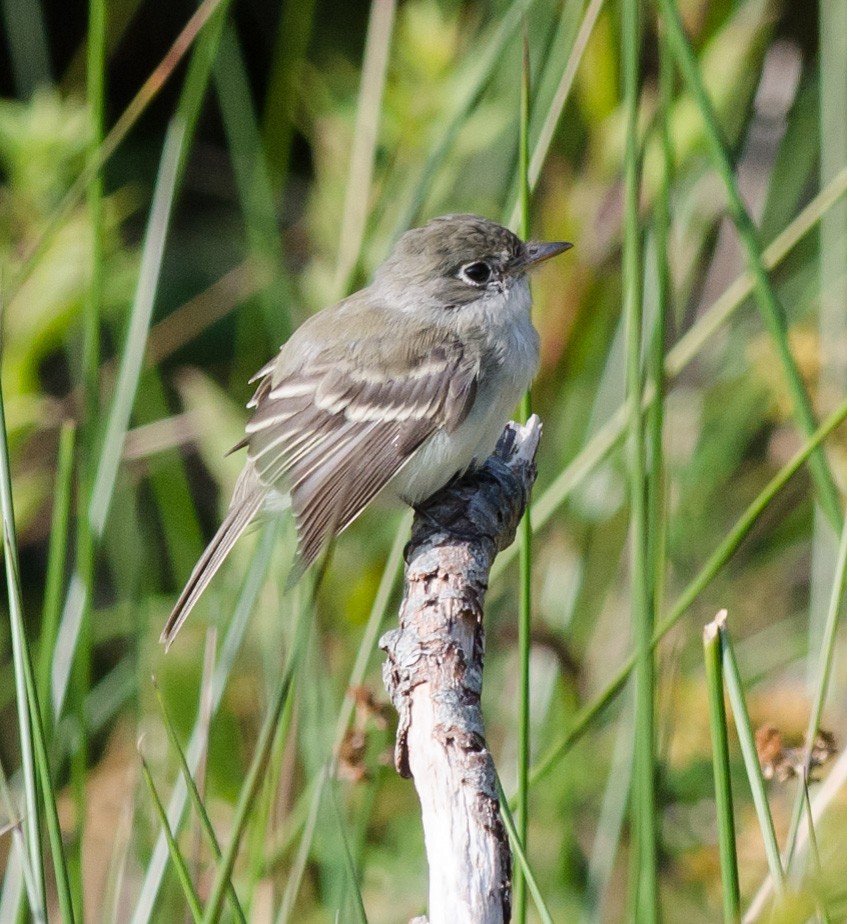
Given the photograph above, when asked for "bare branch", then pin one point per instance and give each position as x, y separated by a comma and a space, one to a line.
434, 676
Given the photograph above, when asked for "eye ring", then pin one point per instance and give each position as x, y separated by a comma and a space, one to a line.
477, 273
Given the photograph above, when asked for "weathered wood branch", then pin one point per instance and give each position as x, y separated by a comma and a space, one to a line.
433, 674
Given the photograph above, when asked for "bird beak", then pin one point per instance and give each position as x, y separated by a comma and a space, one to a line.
537, 252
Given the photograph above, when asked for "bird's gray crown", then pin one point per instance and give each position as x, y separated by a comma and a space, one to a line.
452, 258
444, 244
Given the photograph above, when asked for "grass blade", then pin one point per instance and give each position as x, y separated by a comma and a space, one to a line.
365, 136
824, 674
254, 775
557, 105
18, 867
492, 49
89, 379
610, 825
720, 769
735, 692
296, 23
173, 848
196, 801
232, 643
349, 862
525, 535
56, 563
20, 657
643, 787
95, 96
678, 358
36, 768
702, 579
345, 713
132, 356
254, 184
520, 855
813, 846
772, 313
132, 359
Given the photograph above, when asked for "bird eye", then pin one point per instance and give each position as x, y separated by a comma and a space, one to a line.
476, 274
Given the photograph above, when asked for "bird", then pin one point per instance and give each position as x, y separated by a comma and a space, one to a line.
388, 394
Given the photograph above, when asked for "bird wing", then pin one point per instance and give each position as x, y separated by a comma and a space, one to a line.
336, 428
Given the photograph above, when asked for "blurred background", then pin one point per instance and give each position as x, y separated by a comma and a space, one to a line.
182, 185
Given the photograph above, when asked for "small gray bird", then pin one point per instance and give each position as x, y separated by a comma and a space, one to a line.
391, 392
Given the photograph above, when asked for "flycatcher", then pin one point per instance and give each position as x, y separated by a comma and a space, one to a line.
391, 392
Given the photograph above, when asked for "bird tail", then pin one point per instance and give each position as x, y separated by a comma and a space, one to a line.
240, 513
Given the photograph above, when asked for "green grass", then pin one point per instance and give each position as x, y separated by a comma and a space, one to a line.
712, 645
261, 169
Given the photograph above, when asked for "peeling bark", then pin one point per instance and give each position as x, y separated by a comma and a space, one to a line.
433, 674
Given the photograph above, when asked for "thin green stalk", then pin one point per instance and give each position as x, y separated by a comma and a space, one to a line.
196, 801
36, 767
182, 535
295, 822
678, 358
488, 60
89, 378
198, 75
257, 847
80, 684
176, 854
365, 135
735, 692
271, 727
204, 715
20, 660
359, 913
253, 180
613, 811
518, 849
296, 23
253, 581
643, 792
661, 225
132, 358
56, 563
298, 866
14, 826
721, 772
771, 311
813, 845
308, 817
95, 96
316, 714
703, 578
269, 730
832, 284
299, 817
48, 797
557, 104
824, 674
525, 561
367, 645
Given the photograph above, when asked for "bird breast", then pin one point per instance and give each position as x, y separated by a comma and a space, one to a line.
509, 361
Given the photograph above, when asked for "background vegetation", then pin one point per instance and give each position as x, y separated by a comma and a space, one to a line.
181, 186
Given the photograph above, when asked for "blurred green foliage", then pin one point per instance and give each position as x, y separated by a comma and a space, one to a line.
251, 249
